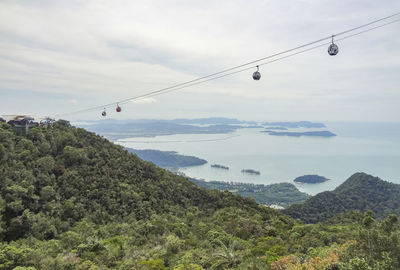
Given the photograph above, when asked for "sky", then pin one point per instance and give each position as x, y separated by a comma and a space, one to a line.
58, 57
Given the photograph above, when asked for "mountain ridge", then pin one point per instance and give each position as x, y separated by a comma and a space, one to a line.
359, 192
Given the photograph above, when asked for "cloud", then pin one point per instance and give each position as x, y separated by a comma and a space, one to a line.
100, 52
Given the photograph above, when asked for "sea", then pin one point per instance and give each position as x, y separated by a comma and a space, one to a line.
373, 148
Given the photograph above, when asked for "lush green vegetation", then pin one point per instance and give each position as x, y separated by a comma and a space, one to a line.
360, 192
282, 194
310, 179
167, 159
72, 200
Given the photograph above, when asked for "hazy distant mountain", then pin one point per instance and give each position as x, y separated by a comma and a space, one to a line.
211, 120
117, 129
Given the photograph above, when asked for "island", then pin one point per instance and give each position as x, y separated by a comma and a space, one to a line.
324, 133
275, 128
250, 171
117, 129
311, 179
167, 159
300, 124
219, 166
276, 196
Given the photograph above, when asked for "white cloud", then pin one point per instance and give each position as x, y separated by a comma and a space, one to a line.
99, 52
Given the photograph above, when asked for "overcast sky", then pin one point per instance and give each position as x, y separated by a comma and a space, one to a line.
62, 56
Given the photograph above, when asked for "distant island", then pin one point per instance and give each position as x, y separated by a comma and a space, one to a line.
115, 129
253, 126
281, 194
219, 166
167, 159
275, 128
311, 179
300, 124
324, 133
250, 171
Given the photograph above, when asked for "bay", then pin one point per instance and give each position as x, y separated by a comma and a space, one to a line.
372, 148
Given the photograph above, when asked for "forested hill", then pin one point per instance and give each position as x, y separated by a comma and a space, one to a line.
360, 192
62, 174
72, 200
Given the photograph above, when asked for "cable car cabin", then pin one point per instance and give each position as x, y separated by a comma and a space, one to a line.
333, 49
118, 109
256, 75
104, 113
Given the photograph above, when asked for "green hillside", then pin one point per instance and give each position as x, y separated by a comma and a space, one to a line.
360, 192
70, 199
64, 174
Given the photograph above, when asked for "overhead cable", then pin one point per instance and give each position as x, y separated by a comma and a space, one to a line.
240, 68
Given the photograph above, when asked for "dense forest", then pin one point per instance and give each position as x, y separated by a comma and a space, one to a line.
70, 199
360, 192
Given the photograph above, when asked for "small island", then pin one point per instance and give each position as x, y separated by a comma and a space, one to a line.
300, 124
219, 166
311, 179
250, 171
324, 133
275, 128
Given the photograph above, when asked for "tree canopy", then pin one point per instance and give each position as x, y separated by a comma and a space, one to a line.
70, 199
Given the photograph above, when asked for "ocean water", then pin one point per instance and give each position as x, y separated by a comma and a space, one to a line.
373, 148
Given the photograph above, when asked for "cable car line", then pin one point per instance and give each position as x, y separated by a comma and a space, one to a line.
171, 89
266, 63
269, 62
214, 76
367, 24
